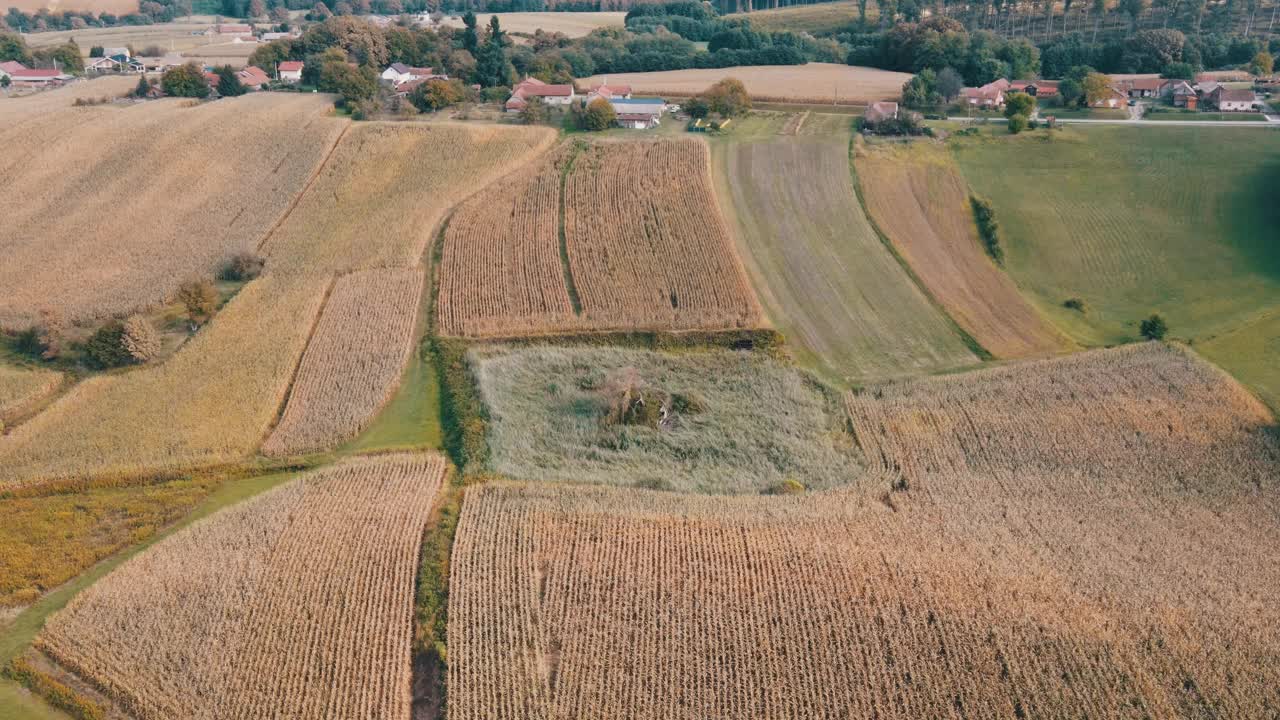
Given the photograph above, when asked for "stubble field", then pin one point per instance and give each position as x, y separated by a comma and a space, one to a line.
916, 196
819, 83
352, 364
297, 603
1115, 558
21, 390
641, 250
824, 276
131, 201
572, 24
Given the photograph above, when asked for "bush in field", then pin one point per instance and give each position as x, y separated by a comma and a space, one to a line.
105, 348
1074, 303
185, 81
988, 228
243, 267
200, 298
1018, 123
1154, 328
1018, 104
50, 335
140, 339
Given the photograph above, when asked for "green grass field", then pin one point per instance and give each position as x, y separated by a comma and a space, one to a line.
1085, 113
1200, 116
1251, 352
827, 281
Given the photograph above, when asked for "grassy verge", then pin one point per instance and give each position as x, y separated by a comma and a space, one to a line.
1202, 116
17, 635
1086, 114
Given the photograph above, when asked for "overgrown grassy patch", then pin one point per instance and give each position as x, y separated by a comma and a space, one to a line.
728, 422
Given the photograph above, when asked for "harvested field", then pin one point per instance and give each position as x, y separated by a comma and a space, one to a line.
572, 24
824, 276
211, 403
353, 362
171, 37
386, 187
641, 251
751, 423
1126, 586
916, 196
118, 7
21, 390
821, 19
298, 603
819, 83
223, 173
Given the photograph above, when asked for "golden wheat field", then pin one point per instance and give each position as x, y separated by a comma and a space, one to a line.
211, 403
385, 188
21, 390
819, 83
917, 197
645, 247
131, 201
947, 584
295, 604
353, 363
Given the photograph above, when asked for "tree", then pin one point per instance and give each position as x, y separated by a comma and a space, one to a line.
229, 84
470, 38
143, 87
13, 47
242, 267
1153, 50
697, 108
598, 115
436, 94
728, 97
320, 12
140, 339
257, 8
5, 81
1263, 64
1097, 87
1154, 328
949, 84
96, 51
65, 57
200, 298
279, 14
1070, 91
185, 81
921, 91
1179, 71
105, 348
534, 112
1017, 123
1134, 9
1018, 103
50, 334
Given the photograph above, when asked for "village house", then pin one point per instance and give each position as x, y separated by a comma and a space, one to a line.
9, 67
606, 90
1182, 94
118, 63
637, 113
990, 95
1035, 88
290, 71
1143, 87
529, 88
1113, 98
1230, 100
26, 77
253, 77
878, 112
399, 73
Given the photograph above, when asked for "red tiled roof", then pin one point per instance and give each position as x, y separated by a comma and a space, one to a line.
1230, 95
34, 74
253, 76
12, 66
612, 90
544, 90
291, 66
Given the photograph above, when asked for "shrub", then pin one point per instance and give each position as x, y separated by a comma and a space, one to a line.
50, 335
690, 403
1154, 328
105, 348
200, 298
243, 267
1074, 303
140, 339
1017, 123
988, 229
790, 486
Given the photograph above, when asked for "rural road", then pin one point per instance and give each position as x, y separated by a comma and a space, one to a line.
1272, 121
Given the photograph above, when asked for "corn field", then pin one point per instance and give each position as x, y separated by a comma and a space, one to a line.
212, 402
353, 363
644, 247
21, 390
123, 204
954, 580
381, 194
296, 604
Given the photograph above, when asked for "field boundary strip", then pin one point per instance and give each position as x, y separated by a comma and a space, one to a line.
305, 189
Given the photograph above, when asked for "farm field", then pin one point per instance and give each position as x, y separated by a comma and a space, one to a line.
916, 196
819, 83
639, 251
325, 562
1249, 353
974, 590
211, 403
356, 356
817, 19
553, 417
170, 37
22, 389
381, 194
572, 24
79, 251
822, 273
1136, 220
118, 7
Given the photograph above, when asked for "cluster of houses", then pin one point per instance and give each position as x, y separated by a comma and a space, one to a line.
632, 112
1120, 92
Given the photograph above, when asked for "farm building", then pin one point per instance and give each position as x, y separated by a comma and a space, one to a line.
253, 77
606, 90
269, 36
399, 73
1143, 87
9, 67
290, 71
881, 111
161, 64
1114, 98
231, 30
1229, 100
37, 78
1035, 88
120, 63
1182, 94
531, 87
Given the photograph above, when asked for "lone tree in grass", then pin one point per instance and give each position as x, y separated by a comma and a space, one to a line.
229, 84
200, 298
1154, 328
728, 97
185, 81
